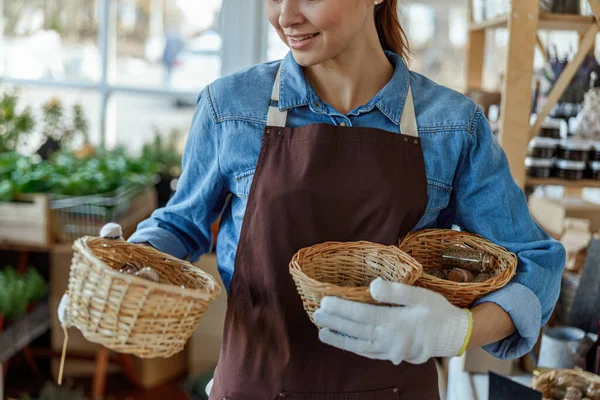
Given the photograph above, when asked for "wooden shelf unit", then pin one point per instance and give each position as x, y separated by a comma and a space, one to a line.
523, 23
547, 21
585, 183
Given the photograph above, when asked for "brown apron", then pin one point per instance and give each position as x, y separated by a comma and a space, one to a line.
314, 184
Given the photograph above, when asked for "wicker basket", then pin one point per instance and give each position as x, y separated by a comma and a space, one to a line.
427, 246
345, 269
129, 314
545, 383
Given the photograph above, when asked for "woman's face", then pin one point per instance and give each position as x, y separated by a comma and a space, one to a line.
319, 30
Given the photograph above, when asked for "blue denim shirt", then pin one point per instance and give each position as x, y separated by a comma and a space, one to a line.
469, 181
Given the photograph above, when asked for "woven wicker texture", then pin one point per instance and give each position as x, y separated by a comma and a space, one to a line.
546, 383
129, 314
427, 246
346, 269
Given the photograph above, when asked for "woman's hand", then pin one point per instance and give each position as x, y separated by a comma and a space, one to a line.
426, 325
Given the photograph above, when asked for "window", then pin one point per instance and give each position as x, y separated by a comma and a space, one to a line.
42, 41
174, 45
132, 64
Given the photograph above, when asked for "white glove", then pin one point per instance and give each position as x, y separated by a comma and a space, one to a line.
427, 326
62, 308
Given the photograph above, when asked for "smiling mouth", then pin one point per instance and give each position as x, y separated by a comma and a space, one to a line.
299, 39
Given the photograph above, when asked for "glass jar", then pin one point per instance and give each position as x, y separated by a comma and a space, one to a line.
460, 259
594, 170
594, 152
542, 147
539, 167
551, 128
574, 150
570, 170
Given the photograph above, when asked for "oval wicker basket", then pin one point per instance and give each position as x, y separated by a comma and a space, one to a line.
129, 314
546, 382
345, 269
427, 246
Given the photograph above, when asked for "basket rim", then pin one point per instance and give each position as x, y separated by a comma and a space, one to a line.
296, 269
208, 294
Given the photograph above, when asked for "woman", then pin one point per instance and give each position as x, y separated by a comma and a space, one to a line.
340, 141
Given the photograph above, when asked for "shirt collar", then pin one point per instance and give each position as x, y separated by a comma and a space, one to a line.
295, 90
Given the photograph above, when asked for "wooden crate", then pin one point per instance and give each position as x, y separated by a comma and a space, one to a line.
25, 222
30, 224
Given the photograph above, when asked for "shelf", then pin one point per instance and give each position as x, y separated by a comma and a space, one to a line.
548, 21
24, 331
585, 183
492, 23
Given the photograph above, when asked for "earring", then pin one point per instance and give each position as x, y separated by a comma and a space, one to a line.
376, 2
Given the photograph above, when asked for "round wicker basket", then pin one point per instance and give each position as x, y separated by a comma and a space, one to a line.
583, 380
129, 314
427, 246
346, 269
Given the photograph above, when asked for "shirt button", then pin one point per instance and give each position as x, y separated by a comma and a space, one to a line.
317, 104
342, 123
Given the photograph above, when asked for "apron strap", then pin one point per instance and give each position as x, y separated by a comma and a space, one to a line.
276, 117
408, 120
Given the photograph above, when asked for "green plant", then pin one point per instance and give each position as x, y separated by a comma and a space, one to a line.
53, 392
162, 152
19, 290
64, 129
15, 125
65, 174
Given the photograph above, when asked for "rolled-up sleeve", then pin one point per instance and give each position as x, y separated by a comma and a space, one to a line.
487, 201
183, 227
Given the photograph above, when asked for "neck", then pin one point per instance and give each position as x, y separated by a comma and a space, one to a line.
351, 79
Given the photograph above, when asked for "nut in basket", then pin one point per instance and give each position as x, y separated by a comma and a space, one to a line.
346, 269
427, 247
132, 313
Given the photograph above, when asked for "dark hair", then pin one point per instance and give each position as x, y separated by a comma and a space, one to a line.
391, 34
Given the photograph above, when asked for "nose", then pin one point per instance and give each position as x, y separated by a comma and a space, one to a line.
290, 14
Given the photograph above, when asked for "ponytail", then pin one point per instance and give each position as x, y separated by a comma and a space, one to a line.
391, 34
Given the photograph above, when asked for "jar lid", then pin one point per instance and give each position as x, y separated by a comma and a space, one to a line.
549, 123
577, 145
596, 145
538, 162
544, 143
573, 165
595, 165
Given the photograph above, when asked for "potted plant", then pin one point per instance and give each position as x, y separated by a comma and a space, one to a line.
15, 125
62, 132
19, 292
161, 154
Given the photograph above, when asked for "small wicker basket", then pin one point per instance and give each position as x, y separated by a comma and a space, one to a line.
547, 382
427, 246
346, 269
129, 314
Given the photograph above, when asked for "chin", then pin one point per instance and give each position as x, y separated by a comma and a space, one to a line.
308, 59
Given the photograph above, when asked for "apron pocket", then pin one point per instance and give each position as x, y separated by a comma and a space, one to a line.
383, 394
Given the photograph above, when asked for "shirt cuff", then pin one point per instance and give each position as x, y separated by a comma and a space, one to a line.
161, 240
525, 309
